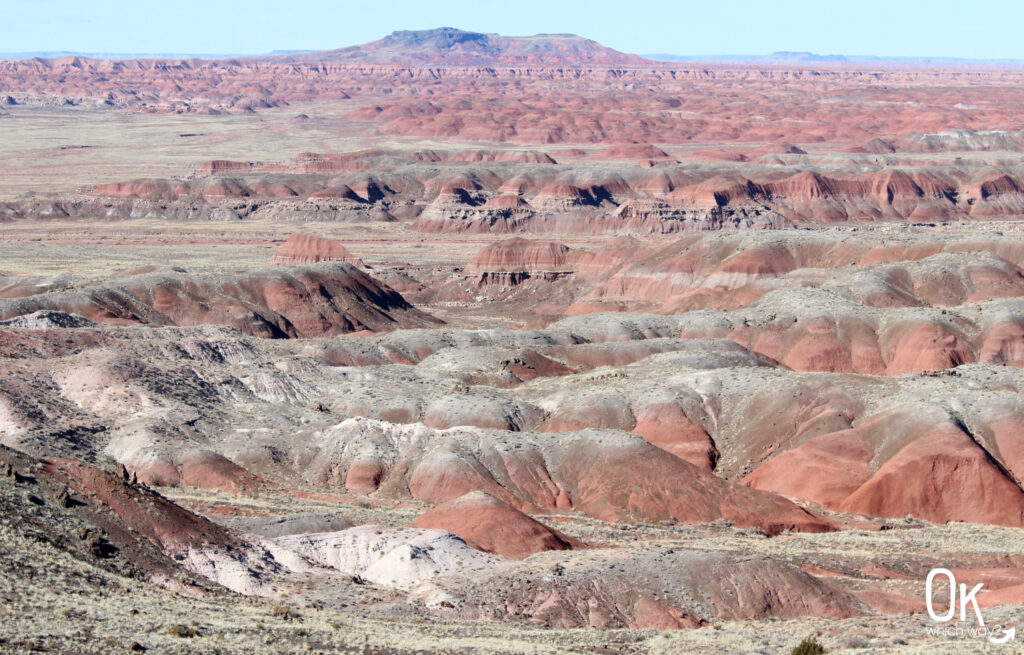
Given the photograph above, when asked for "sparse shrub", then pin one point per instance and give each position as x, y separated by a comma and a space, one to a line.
183, 631
110, 642
809, 646
857, 641
286, 613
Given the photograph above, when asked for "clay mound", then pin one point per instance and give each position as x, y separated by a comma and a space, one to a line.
497, 367
973, 487
817, 439
526, 157
804, 186
995, 198
637, 151
487, 524
518, 185
518, 254
460, 185
204, 469
155, 190
661, 589
607, 474
513, 156
998, 185
320, 299
874, 146
785, 149
271, 189
916, 346
507, 201
340, 192
217, 189
603, 484
302, 249
719, 191
563, 194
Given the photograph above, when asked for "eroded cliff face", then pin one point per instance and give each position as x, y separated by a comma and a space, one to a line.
498, 191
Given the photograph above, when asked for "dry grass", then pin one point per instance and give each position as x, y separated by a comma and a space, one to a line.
57, 603
43, 148
43, 151
97, 249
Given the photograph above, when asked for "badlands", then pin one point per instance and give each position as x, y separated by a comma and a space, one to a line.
455, 342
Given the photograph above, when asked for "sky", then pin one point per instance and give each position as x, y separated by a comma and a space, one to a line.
978, 29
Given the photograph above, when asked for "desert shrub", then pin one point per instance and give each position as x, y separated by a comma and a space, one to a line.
286, 613
809, 646
857, 641
182, 631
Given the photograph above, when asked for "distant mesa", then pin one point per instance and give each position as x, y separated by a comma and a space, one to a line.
303, 249
779, 57
790, 56
450, 46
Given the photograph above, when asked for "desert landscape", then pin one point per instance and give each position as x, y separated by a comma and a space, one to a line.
464, 343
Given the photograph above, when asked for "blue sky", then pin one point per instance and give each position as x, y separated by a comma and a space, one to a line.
980, 29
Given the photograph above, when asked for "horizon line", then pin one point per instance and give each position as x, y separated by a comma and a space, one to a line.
777, 57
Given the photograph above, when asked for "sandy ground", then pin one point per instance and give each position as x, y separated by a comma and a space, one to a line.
90, 249
56, 150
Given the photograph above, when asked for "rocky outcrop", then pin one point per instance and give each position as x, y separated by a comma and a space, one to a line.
108, 519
